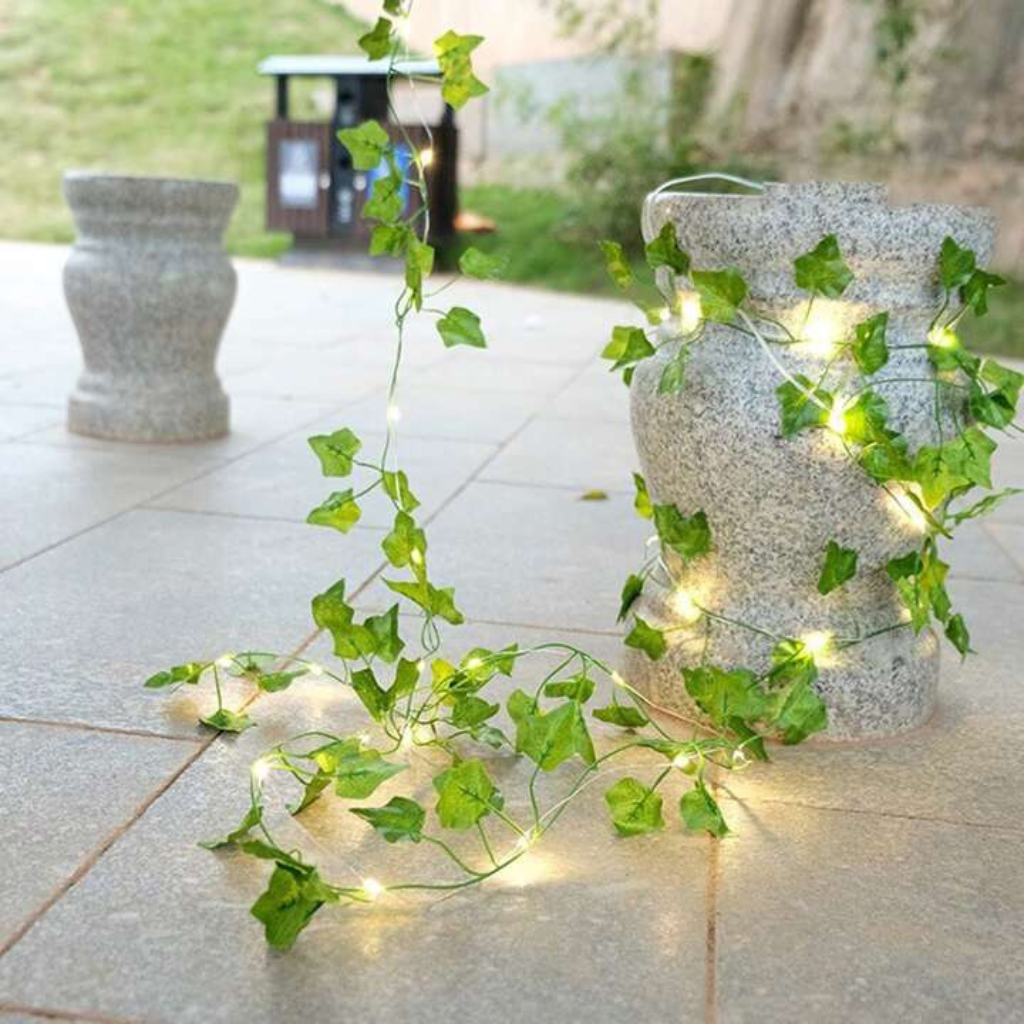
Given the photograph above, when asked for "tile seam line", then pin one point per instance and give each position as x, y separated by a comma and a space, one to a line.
105, 730
44, 1013
96, 853
982, 826
143, 502
711, 889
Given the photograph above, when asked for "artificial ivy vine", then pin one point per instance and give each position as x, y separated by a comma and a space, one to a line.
422, 700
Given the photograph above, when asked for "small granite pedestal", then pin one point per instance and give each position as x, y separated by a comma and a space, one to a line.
773, 502
150, 289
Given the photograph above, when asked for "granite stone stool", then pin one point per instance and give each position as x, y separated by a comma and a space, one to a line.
150, 289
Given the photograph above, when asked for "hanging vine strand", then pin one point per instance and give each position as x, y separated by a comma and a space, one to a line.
418, 700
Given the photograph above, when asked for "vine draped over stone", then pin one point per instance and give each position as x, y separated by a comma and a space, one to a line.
422, 700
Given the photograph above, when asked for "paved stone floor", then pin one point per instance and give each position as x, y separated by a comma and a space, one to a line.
882, 882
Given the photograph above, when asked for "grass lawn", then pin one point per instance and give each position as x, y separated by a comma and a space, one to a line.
166, 87
530, 235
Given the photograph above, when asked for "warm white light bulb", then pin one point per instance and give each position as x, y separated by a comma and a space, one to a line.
372, 889
664, 314
525, 841
739, 759
689, 314
837, 415
363, 737
816, 644
684, 606
426, 156
943, 337
260, 769
314, 668
416, 556
421, 665
907, 509
821, 333
617, 679
226, 661
394, 414
474, 663
683, 761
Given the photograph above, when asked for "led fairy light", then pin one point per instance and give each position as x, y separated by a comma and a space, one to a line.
905, 509
690, 315
821, 330
684, 762
260, 769
617, 679
225, 661
394, 414
372, 889
426, 156
684, 606
837, 415
943, 337
314, 668
739, 760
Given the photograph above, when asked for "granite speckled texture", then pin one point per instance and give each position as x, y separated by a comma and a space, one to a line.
150, 289
774, 503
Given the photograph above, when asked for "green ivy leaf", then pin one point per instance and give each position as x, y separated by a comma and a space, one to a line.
792, 662
688, 536
252, 818
357, 773
947, 471
673, 376
799, 411
390, 239
822, 271
865, 419
579, 688
840, 566
642, 500
190, 673
367, 143
228, 721
404, 539
724, 696
721, 292
460, 85
617, 265
465, 795
796, 710
958, 635
474, 263
376, 43
630, 592
974, 292
385, 203
275, 682
470, 711
701, 813
644, 637
294, 894
549, 738
956, 264
629, 345
400, 818
664, 251
621, 715
419, 263
634, 808
339, 511
336, 451
460, 326
870, 349
436, 601
985, 505
396, 484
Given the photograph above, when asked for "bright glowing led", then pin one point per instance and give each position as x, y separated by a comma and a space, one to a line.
821, 333
905, 507
260, 769
426, 157
474, 663
416, 556
837, 415
664, 314
617, 679
689, 314
226, 661
816, 644
684, 606
420, 665
372, 889
739, 759
943, 337
394, 414
363, 737
314, 668
525, 841
683, 762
